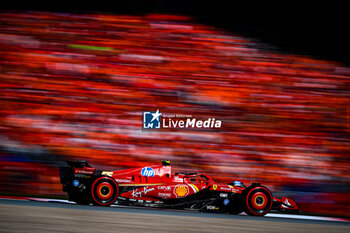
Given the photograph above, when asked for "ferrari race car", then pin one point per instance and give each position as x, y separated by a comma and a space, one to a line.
156, 186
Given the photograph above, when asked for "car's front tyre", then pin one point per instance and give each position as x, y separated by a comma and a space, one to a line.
258, 201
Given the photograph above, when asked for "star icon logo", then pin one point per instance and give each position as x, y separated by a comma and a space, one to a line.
151, 120
156, 115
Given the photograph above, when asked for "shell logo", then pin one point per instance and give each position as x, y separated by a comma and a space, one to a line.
181, 190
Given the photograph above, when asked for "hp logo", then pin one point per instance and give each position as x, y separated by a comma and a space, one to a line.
147, 171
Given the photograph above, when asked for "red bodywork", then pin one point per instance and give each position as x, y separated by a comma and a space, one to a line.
156, 184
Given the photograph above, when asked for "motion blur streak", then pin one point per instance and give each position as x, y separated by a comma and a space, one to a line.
73, 86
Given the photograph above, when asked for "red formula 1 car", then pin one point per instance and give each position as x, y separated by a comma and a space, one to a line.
155, 186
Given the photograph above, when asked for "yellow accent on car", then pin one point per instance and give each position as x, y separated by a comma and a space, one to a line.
195, 187
106, 173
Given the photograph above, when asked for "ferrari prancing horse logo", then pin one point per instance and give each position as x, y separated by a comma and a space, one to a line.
215, 186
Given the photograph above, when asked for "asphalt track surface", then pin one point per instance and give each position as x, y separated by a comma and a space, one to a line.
30, 216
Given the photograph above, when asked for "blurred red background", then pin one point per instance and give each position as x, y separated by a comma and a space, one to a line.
73, 87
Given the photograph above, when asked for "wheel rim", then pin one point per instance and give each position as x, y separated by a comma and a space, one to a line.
104, 191
259, 201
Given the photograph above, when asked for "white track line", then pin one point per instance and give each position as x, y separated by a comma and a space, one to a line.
305, 217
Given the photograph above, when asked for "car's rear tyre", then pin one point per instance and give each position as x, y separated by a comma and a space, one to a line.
258, 201
104, 191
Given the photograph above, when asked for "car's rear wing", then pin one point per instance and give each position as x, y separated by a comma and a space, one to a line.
67, 172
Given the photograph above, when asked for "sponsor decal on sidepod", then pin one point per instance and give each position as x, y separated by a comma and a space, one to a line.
181, 190
164, 195
147, 171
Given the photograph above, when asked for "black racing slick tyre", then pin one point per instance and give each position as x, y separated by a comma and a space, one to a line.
258, 201
104, 191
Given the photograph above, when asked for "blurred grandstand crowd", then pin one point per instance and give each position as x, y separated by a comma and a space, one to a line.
74, 86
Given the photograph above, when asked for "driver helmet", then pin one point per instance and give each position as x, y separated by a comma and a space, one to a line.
238, 183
